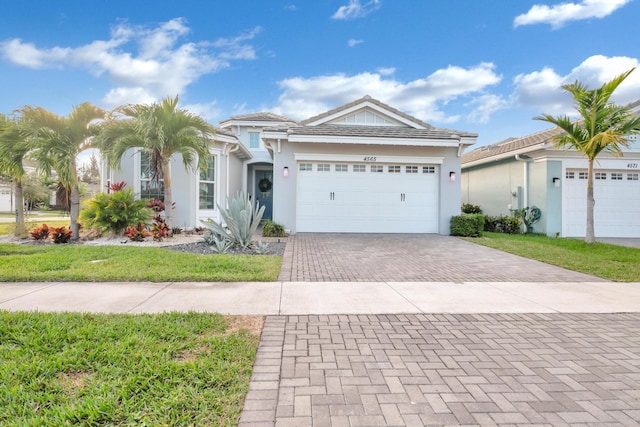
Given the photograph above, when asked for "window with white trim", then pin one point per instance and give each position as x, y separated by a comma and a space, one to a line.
254, 140
632, 177
601, 175
394, 169
324, 167
207, 186
428, 169
342, 168
570, 175
377, 168
582, 175
359, 168
306, 166
149, 188
411, 169
615, 176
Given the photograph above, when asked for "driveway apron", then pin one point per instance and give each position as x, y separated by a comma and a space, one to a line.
320, 257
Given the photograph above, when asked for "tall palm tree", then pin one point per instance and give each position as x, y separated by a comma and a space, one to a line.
13, 150
603, 126
162, 130
57, 141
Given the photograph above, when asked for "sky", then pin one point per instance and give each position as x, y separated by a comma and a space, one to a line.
487, 67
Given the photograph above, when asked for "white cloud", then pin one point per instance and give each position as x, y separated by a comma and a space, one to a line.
559, 14
355, 9
354, 42
145, 64
209, 111
484, 106
386, 71
541, 90
423, 98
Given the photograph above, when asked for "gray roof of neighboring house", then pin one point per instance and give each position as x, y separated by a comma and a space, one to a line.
263, 116
510, 144
360, 101
372, 131
223, 131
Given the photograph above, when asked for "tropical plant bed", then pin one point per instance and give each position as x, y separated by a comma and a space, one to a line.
206, 249
98, 369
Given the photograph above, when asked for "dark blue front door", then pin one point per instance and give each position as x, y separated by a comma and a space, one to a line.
264, 191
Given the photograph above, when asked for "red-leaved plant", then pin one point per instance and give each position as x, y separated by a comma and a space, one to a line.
116, 186
61, 234
160, 229
137, 233
40, 234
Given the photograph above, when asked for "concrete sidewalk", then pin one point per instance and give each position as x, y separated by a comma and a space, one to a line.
288, 298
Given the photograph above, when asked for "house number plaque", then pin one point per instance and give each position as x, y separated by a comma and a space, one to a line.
369, 159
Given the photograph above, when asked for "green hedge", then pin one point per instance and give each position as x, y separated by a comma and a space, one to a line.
503, 224
467, 225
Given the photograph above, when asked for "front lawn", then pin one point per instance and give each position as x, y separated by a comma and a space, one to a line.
611, 262
92, 369
78, 263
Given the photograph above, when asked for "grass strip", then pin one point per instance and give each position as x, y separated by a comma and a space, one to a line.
79, 263
92, 369
611, 262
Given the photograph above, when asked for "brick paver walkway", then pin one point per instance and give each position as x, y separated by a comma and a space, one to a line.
480, 369
326, 257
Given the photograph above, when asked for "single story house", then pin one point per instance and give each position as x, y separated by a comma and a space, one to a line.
364, 167
531, 171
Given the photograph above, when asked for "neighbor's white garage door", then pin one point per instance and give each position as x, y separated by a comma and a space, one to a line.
617, 207
367, 198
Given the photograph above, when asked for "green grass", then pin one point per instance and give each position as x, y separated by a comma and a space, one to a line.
611, 262
89, 369
79, 263
7, 228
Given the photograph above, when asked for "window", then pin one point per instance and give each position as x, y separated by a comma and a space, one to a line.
394, 169
428, 169
306, 166
601, 175
632, 177
411, 169
377, 168
254, 140
616, 176
207, 186
359, 168
570, 175
342, 168
324, 167
149, 189
582, 175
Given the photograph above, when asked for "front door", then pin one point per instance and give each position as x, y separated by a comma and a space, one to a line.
264, 191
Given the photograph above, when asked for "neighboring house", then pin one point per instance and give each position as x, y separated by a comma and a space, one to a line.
530, 171
364, 167
7, 202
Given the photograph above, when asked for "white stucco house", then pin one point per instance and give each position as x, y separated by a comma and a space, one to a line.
364, 167
530, 171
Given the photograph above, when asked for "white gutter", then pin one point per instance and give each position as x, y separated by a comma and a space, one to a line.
526, 179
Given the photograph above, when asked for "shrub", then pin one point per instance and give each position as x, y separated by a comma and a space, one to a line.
156, 205
61, 235
40, 233
116, 186
114, 212
241, 220
219, 243
176, 231
468, 208
502, 224
159, 229
272, 229
137, 233
467, 225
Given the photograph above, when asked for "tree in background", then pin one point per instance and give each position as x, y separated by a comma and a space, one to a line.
13, 150
56, 143
603, 126
161, 130
90, 173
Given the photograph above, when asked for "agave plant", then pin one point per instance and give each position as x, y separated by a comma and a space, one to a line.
240, 220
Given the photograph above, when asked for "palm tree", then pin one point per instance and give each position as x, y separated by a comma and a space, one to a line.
13, 150
57, 141
603, 126
161, 130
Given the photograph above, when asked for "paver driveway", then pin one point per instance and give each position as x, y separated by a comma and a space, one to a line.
320, 257
432, 369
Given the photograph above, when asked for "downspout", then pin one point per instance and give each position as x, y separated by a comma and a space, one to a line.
526, 161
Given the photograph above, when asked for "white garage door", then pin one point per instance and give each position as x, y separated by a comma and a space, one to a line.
617, 208
367, 198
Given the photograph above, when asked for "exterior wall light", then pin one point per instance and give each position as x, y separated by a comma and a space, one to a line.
452, 176
556, 182
285, 171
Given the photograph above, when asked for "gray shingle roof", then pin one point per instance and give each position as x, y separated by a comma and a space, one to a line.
263, 116
360, 101
511, 144
372, 131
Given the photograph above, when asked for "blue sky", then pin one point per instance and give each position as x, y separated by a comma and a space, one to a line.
480, 66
